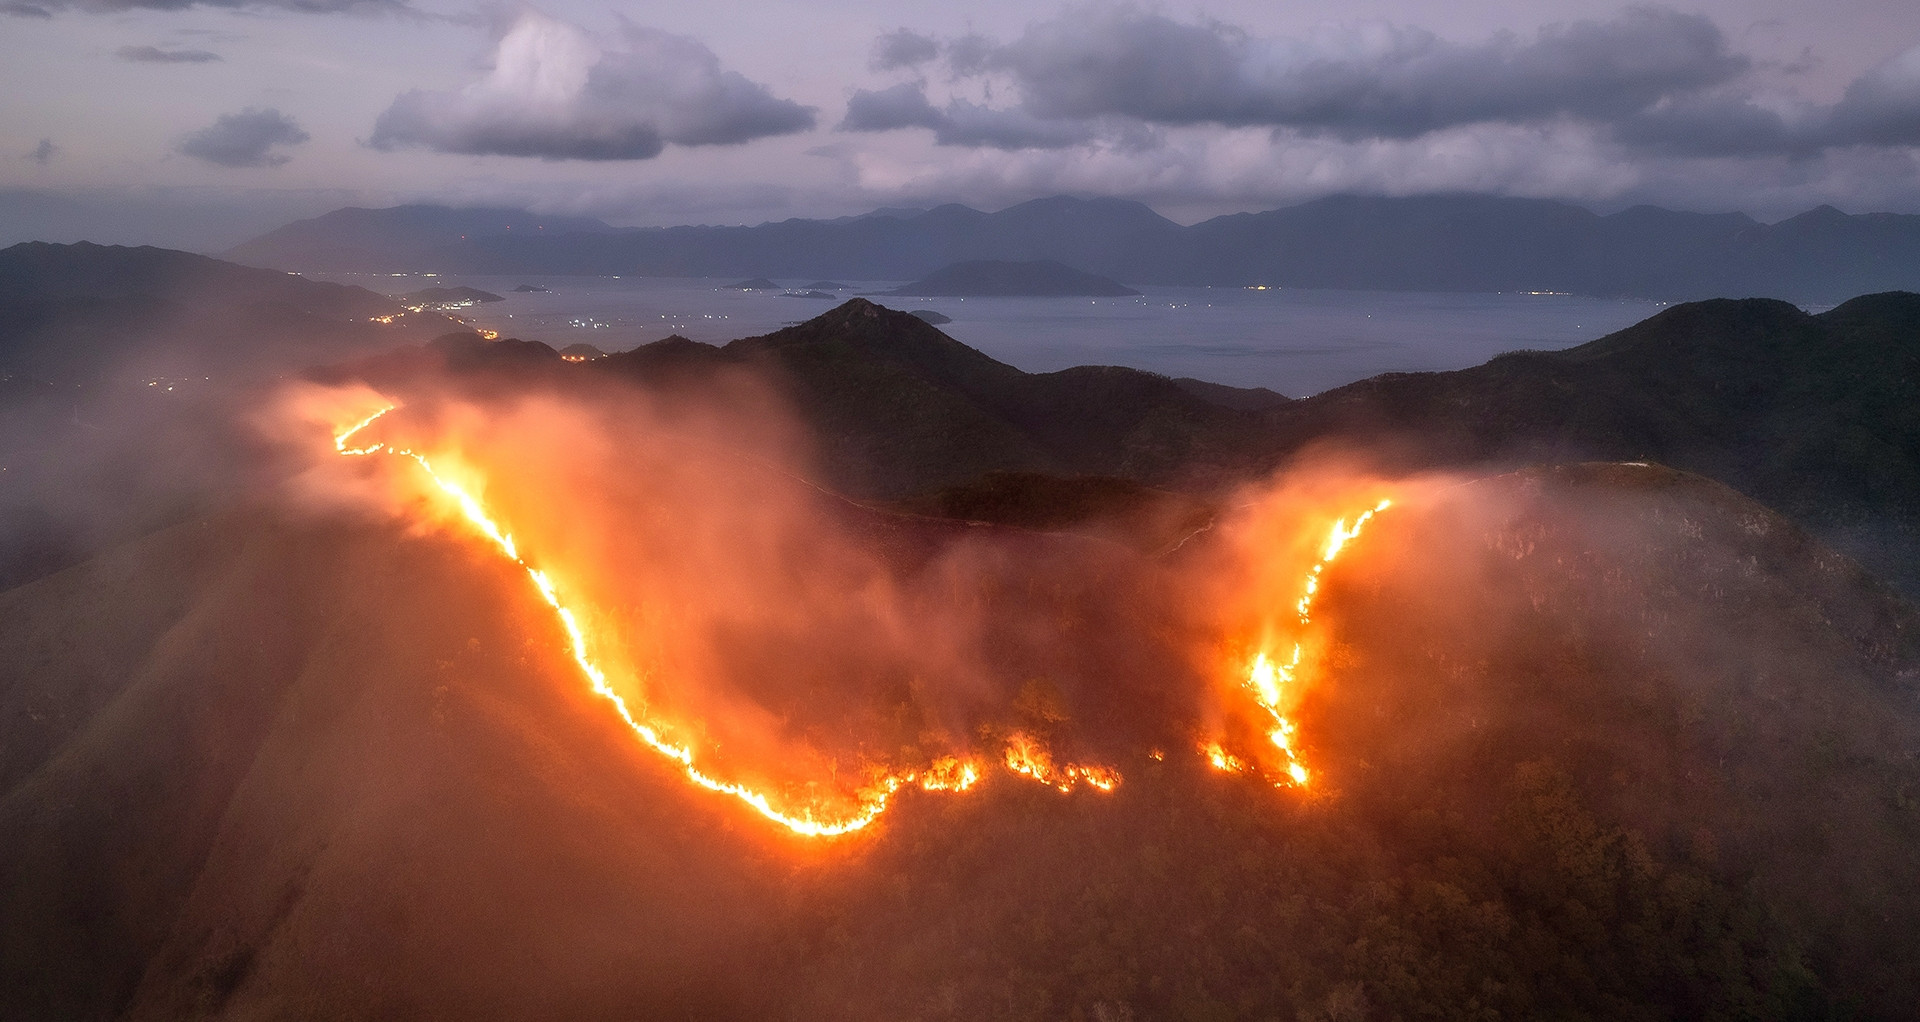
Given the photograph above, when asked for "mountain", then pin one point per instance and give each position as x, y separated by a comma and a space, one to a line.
70, 314
1592, 740
1422, 243
1818, 416
397, 239
120, 369
264, 766
1815, 415
899, 408
448, 297
887, 245
993, 277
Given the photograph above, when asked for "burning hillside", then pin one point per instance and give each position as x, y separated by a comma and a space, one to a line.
733, 618
535, 690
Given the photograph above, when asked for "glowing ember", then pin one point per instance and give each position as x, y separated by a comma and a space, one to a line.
950, 774
1027, 757
947, 774
1222, 759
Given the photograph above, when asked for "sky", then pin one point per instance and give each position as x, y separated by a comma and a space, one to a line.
199, 124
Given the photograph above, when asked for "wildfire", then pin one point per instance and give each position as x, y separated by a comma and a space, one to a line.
1029, 758
947, 774
1266, 678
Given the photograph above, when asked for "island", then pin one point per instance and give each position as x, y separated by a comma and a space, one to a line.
444, 298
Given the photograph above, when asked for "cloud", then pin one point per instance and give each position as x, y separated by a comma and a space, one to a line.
1367, 81
558, 93
903, 48
43, 153
959, 123
1881, 108
45, 9
156, 55
1373, 80
245, 139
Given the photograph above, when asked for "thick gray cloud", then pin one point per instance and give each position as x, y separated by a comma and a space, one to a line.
903, 48
557, 93
1392, 82
19, 10
156, 55
1650, 81
246, 139
1880, 108
1374, 81
960, 123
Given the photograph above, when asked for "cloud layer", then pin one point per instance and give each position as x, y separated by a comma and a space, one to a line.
556, 93
1651, 80
45, 8
249, 138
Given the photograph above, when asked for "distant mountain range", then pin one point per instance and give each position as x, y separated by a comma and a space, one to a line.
1427, 243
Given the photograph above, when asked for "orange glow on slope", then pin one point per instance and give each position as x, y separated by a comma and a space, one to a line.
1029, 758
947, 774
1267, 678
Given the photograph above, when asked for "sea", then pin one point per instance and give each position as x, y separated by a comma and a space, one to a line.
1295, 341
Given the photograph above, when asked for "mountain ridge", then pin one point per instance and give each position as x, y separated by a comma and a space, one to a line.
1453, 242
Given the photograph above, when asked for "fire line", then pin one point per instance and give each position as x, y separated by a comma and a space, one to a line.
946, 774
1266, 676
1023, 755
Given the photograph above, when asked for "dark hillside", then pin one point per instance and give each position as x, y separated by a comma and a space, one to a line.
1581, 758
900, 407
121, 371
1818, 416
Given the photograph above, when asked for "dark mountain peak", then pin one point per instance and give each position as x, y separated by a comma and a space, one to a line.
951, 211
876, 331
1722, 326
1900, 309
1105, 210
467, 350
1822, 215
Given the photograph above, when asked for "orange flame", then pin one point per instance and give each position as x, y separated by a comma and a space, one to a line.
1266, 679
947, 774
1027, 757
